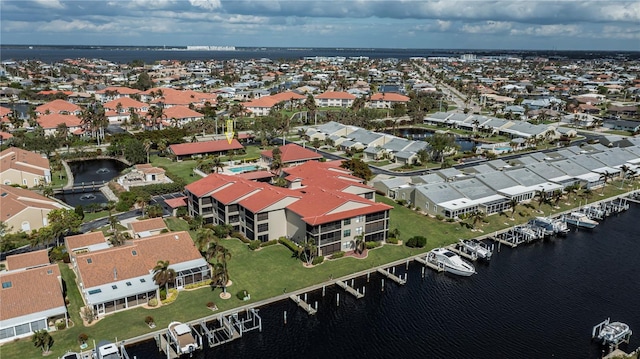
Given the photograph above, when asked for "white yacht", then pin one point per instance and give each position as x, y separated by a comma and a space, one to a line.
580, 220
479, 248
451, 262
551, 226
182, 337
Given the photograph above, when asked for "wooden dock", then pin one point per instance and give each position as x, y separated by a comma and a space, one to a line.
165, 347
500, 240
426, 263
391, 276
302, 304
349, 290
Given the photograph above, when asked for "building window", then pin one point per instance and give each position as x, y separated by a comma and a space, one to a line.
263, 237
358, 231
346, 233
128, 284
368, 195
347, 222
263, 216
95, 291
263, 227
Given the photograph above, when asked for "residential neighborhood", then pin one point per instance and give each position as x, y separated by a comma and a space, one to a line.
315, 156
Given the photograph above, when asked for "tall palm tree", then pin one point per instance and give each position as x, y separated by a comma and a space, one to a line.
203, 238
163, 275
147, 147
360, 243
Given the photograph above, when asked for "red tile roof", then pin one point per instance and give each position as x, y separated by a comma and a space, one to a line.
125, 102
176, 202
293, 153
119, 89
52, 121
84, 240
319, 206
181, 112
135, 260
58, 106
342, 95
32, 291
185, 149
23, 160
208, 184
151, 224
389, 96
29, 259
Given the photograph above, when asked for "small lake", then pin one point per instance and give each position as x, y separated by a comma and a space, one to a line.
89, 172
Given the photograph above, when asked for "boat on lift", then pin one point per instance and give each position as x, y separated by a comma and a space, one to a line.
451, 262
579, 220
477, 248
550, 226
107, 350
183, 338
614, 332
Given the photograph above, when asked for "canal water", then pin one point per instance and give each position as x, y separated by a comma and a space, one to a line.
87, 173
535, 301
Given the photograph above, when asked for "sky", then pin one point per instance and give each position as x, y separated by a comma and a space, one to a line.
425, 24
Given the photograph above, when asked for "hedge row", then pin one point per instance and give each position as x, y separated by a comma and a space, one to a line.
289, 244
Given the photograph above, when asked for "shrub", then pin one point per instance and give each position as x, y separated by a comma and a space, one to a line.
253, 245
450, 220
317, 260
83, 337
289, 244
439, 217
372, 244
240, 236
181, 212
417, 242
153, 302
172, 298
392, 240
242, 294
148, 319
268, 243
401, 202
163, 293
198, 285
338, 254
211, 305
61, 325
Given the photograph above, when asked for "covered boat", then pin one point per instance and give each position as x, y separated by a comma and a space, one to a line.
182, 337
451, 262
477, 248
580, 220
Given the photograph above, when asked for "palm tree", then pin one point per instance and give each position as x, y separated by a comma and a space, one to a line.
513, 203
142, 202
360, 243
42, 339
163, 275
147, 147
217, 163
308, 251
220, 276
477, 216
203, 238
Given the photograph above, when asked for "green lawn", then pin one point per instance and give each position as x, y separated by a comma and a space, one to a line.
267, 272
90, 216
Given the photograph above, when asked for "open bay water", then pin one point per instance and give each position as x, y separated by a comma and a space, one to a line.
536, 301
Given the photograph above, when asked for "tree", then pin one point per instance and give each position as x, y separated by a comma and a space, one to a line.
360, 243
147, 147
204, 237
276, 162
513, 203
63, 221
42, 339
142, 200
163, 275
439, 144
476, 217
308, 251
423, 156
358, 168
133, 151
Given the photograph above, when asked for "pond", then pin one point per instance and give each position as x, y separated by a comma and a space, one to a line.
88, 173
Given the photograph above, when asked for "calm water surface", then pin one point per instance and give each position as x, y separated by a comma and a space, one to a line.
535, 301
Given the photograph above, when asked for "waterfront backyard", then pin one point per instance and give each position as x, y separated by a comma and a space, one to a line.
272, 270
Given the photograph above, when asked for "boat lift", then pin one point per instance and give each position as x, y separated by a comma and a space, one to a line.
613, 343
231, 327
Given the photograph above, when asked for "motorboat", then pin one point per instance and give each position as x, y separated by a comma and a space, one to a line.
451, 262
107, 350
182, 337
550, 226
614, 332
593, 211
479, 248
580, 220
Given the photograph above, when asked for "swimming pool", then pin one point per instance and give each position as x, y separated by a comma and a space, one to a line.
243, 169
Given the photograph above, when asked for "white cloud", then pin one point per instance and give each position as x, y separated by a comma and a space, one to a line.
51, 4
206, 4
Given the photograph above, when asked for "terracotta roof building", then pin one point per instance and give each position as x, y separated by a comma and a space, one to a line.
335, 99
60, 107
324, 202
118, 278
218, 147
31, 297
291, 154
24, 210
18, 166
